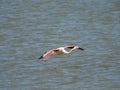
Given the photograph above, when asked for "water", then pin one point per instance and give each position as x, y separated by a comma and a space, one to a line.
30, 27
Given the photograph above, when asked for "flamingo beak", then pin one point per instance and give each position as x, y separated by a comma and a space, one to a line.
80, 48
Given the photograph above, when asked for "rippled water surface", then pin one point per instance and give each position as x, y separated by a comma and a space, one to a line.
30, 27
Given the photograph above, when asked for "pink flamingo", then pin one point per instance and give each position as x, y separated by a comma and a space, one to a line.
60, 50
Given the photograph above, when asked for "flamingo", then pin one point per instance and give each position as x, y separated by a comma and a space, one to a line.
60, 50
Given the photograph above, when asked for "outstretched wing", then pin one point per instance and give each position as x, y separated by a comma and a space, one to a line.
69, 46
48, 54
73, 47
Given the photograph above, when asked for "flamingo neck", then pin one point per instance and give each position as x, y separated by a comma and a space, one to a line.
70, 51
65, 51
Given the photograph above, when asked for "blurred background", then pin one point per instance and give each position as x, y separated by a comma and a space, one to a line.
30, 27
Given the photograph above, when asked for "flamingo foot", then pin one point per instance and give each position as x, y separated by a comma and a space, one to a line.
44, 60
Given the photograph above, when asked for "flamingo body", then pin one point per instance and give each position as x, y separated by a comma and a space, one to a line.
60, 50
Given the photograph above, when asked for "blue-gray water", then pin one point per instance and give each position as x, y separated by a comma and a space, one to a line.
30, 27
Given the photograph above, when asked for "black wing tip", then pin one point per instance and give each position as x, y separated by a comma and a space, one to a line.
40, 57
